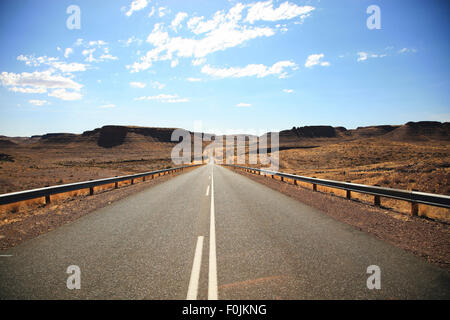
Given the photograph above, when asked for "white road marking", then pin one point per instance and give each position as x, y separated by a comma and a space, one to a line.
207, 191
195, 273
212, 285
5, 255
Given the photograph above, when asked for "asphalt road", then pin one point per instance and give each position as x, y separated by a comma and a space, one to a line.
213, 234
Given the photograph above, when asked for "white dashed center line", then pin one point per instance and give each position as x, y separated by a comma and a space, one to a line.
212, 288
195, 273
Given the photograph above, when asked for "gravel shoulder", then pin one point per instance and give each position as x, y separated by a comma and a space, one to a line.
424, 238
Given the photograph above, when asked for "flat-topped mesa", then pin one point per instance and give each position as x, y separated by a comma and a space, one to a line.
58, 138
111, 136
312, 132
421, 131
372, 131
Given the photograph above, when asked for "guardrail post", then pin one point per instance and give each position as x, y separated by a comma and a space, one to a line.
116, 185
314, 187
414, 208
91, 191
376, 200
143, 179
282, 179
47, 199
348, 194
295, 182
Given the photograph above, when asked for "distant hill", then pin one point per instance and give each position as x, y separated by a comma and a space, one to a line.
112, 136
411, 131
6, 143
372, 131
421, 131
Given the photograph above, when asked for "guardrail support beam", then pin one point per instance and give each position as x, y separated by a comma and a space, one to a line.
116, 185
47, 199
414, 208
91, 191
348, 194
314, 187
376, 200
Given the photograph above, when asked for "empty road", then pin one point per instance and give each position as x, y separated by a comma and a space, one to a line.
211, 233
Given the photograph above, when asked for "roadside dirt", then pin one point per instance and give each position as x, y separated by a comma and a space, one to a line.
425, 238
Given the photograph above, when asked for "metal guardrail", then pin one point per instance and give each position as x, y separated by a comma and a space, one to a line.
46, 192
414, 197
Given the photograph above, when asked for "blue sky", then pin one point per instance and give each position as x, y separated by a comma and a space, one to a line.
258, 65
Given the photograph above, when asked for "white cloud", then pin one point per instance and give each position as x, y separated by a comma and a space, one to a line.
162, 11
179, 100
362, 56
106, 106
97, 43
223, 31
136, 5
407, 50
315, 59
136, 84
38, 80
152, 12
131, 40
174, 63
79, 42
31, 60
288, 90
38, 102
52, 62
251, 70
69, 67
63, 94
197, 62
157, 85
68, 52
90, 55
176, 23
165, 98
108, 57
42, 82
242, 104
264, 11
28, 90
194, 79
